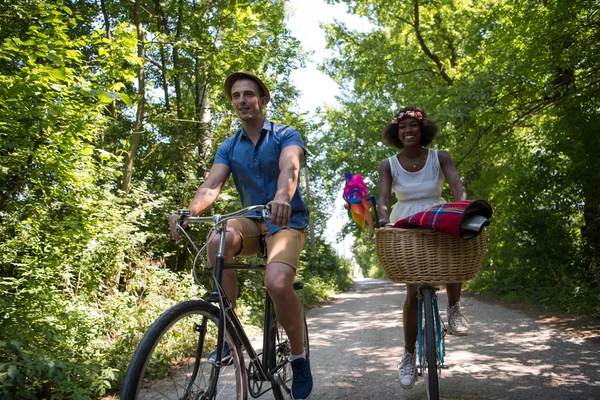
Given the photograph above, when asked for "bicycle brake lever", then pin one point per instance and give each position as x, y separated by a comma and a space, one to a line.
184, 212
266, 213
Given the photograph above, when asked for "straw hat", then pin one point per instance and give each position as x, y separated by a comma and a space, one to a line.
245, 75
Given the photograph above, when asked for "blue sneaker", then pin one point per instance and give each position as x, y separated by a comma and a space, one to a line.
302, 382
226, 355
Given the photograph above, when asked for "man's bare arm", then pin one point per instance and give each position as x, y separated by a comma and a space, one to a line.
289, 166
209, 191
206, 194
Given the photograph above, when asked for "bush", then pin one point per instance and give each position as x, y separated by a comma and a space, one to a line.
81, 349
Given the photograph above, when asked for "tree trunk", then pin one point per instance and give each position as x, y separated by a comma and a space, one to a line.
203, 131
139, 118
438, 63
590, 143
113, 104
201, 105
311, 224
176, 77
591, 215
163, 27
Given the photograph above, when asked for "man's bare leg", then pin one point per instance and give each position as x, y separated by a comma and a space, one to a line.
279, 280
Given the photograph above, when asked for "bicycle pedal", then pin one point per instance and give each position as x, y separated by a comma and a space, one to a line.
220, 364
280, 382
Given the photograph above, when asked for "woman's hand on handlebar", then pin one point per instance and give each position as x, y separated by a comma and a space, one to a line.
281, 212
383, 222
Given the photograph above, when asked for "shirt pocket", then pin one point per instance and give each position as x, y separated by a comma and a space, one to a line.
243, 168
269, 157
269, 166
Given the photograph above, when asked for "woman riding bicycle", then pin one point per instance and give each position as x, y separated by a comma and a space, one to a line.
416, 176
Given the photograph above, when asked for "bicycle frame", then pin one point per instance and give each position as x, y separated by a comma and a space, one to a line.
227, 315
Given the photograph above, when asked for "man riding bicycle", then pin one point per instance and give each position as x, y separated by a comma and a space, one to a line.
264, 159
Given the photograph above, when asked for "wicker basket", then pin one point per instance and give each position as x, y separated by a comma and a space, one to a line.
424, 256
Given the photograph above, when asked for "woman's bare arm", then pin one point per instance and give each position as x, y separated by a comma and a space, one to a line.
385, 192
451, 174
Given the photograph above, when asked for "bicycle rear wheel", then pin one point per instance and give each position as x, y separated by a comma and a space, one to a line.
430, 343
170, 361
279, 356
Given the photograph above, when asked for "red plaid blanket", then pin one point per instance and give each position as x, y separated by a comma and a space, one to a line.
449, 218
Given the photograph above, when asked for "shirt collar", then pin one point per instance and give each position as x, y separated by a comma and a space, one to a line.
265, 128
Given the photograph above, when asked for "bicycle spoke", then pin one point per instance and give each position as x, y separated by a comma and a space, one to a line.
171, 369
430, 345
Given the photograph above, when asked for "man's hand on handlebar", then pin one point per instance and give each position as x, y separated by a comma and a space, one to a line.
281, 212
173, 218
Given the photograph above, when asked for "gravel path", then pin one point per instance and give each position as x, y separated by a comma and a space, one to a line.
356, 343
514, 352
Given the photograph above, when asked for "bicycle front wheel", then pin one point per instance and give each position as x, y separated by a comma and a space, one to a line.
171, 360
430, 346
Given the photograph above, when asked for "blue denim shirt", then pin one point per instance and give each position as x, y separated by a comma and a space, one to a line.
255, 169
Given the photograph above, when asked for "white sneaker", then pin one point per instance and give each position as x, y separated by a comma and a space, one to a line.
458, 324
407, 370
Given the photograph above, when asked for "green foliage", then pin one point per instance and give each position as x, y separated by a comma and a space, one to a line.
84, 267
66, 293
512, 86
366, 256
78, 349
324, 272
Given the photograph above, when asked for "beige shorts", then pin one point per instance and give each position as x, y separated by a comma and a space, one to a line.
284, 246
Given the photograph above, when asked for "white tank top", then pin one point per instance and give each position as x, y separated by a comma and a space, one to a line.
416, 191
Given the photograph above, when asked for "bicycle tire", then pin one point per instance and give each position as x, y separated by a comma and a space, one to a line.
280, 351
306, 341
163, 362
431, 379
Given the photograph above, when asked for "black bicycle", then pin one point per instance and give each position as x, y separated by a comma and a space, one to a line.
171, 361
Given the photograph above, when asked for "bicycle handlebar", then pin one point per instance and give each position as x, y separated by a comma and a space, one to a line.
184, 215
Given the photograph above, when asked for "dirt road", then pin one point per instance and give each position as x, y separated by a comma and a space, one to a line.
356, 343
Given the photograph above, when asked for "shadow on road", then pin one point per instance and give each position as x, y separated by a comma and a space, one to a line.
356, 343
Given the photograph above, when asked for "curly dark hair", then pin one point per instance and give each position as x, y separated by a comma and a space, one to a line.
428, 129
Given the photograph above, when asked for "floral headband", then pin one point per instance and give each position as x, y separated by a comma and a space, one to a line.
409, 113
